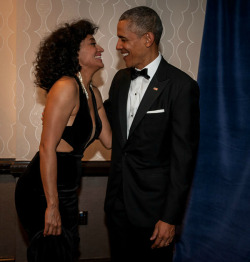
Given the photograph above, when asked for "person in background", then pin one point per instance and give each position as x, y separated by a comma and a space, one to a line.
153, 109
46, 194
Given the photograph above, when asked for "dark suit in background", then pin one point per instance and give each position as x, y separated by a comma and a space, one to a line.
151, 168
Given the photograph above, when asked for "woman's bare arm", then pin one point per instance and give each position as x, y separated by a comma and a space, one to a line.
106, 133
61, 101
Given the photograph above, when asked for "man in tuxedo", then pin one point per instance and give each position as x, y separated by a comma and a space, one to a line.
153, 109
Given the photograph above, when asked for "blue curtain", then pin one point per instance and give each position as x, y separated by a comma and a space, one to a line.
217, 223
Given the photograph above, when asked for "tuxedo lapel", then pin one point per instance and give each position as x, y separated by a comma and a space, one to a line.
154, 89
123, 97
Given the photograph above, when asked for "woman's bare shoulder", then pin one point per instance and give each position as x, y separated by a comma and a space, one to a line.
65, 86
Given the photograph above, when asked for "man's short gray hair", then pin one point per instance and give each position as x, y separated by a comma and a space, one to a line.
142, 20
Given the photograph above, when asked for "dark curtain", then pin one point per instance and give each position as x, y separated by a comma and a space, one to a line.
217, 223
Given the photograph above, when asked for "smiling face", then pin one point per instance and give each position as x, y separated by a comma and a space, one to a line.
132, 47
90, 54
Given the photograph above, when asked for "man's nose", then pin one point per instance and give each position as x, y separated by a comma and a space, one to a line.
119, 44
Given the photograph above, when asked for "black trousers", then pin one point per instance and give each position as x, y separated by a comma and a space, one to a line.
131, 243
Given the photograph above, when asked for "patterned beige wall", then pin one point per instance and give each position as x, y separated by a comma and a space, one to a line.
7, 79
23, 23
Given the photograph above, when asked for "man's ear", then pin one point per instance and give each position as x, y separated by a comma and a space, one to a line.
150, 38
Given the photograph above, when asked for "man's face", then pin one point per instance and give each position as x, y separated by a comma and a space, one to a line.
131, 46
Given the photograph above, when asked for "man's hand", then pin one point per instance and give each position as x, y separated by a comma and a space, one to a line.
163, 234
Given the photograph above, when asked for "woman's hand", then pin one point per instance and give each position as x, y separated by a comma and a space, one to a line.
52, 221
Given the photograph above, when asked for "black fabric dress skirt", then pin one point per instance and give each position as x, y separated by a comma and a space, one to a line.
31, 205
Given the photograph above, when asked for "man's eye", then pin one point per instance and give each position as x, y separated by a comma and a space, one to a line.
94, 44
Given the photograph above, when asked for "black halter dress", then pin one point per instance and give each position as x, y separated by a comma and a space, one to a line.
30, 198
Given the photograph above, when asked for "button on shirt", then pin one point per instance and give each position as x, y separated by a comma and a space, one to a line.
137, 90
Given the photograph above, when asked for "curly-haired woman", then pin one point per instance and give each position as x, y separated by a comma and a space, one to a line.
74, 116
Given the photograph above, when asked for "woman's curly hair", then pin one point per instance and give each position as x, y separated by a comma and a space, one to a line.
58, 53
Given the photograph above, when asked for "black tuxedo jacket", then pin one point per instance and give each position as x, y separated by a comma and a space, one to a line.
154, 166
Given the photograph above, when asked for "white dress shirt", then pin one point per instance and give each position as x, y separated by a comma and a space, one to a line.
137, 90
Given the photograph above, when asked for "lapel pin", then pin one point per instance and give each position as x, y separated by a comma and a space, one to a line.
155, 88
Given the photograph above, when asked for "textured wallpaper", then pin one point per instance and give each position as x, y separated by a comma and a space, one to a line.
23, 23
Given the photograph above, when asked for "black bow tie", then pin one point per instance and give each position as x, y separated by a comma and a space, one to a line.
135, 73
